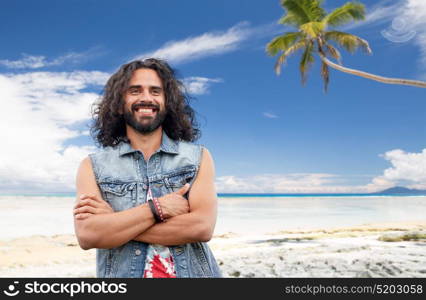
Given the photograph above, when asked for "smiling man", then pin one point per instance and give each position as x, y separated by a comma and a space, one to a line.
147, 200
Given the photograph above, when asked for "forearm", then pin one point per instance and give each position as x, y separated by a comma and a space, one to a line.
186, 228
113, 229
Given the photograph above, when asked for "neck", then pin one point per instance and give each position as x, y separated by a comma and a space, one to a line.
146, 143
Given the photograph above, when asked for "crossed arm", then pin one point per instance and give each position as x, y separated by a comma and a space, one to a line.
98, 226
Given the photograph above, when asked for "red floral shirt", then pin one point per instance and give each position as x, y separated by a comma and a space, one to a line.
159, 263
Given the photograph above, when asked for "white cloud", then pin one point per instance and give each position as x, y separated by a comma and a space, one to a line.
28, 61
412, 17
35, 62
283, 183
407, 169
415, 11
421, 40
37, 111
199, 85
406, 21
405, 165
380, 13
210, 43
269, 115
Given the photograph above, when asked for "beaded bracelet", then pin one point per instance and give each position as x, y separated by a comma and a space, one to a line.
158, 207
154, 210
154, 204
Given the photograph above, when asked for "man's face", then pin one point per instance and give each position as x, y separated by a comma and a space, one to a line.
144, 101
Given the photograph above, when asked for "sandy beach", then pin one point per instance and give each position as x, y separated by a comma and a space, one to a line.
369, 250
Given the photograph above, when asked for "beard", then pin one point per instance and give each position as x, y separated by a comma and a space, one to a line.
145, 126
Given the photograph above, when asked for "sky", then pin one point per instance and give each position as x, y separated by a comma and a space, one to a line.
266, 133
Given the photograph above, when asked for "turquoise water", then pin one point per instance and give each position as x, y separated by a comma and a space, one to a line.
272, 214
23, 215
309, 195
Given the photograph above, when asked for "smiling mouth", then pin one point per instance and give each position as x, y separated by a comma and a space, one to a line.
145, 110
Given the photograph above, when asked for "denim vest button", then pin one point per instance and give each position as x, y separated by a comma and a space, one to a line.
138, 252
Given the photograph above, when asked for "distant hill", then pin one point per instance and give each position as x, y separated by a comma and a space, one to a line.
399, 190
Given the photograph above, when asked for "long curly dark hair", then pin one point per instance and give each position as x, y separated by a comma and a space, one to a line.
109, 127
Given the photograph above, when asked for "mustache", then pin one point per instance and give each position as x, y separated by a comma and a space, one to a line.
142, 104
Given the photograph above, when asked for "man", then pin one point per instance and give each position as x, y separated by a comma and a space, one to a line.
147, 201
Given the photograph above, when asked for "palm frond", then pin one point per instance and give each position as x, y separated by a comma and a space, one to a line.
312, 36
302, 11
306, 61
282, 43
351, 11
325, 74
334, 52
297, 46
279, 63
292, 49
312, 29
290, 20
348, 41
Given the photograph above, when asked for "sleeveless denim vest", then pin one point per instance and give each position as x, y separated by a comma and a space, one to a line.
123, 177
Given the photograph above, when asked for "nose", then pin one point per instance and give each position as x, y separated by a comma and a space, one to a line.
147, 97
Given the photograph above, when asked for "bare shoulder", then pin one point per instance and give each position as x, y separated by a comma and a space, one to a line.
85, 169
207, 163
85, 181
206, 153
202, 195
85, 164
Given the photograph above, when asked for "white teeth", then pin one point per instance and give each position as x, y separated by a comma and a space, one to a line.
145, 110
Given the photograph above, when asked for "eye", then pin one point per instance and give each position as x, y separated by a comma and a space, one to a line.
133, 91
156, 92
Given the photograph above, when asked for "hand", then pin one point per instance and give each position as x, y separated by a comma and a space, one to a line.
175, 204
90, 205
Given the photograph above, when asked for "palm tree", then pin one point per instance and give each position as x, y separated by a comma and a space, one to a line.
313, 37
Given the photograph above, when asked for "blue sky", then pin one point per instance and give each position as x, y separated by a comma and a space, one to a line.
267, 133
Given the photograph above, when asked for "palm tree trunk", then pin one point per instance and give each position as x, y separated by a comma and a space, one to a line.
416, 83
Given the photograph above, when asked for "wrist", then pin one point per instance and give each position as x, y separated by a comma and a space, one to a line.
154, 211
158, 208
155, 207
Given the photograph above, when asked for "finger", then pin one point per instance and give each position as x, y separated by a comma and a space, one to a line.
85, 209
96, 199
183, 190
87, 202
90, 196
82, 203
96, 211
82, 216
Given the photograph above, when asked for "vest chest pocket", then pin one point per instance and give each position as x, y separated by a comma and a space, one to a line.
174, 181
120, 196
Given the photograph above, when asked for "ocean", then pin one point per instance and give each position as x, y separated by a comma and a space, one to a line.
26, 215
